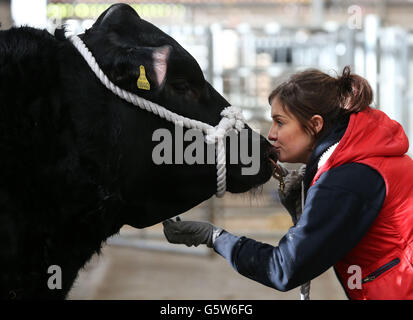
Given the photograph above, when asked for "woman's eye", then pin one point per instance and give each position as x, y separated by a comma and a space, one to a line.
279, 123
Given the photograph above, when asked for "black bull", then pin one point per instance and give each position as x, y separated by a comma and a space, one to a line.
75, 160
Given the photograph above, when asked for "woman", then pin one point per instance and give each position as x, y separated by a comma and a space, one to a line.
358, 187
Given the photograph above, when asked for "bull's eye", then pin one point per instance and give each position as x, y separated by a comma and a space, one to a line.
180, 86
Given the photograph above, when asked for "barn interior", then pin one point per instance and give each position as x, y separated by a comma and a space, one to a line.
245, 48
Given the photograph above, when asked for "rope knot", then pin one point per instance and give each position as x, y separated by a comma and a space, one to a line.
235, 114
231, 118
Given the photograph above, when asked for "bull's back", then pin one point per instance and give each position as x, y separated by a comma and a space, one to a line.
28, 105
28, 85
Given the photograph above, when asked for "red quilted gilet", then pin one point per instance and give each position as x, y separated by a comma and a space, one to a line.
385, 254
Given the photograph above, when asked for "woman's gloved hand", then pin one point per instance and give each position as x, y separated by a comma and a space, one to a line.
291, 196
190, 233
290, 192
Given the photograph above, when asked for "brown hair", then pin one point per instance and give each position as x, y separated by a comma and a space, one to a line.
312, 92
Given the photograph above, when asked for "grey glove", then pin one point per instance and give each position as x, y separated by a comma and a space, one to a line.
291, 195
190, 233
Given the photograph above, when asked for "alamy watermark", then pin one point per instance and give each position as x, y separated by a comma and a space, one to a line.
55, 280
355, 21
244, 148
355, 12
355, 280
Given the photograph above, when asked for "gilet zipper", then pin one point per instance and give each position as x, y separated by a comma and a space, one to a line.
381, 270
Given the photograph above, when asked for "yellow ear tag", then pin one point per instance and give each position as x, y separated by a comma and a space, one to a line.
143, 83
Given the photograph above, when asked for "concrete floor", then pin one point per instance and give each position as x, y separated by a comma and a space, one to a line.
130, 273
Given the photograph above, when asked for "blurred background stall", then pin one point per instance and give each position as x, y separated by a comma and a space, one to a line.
245, 48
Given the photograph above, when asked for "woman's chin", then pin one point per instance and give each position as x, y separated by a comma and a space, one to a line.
281, 157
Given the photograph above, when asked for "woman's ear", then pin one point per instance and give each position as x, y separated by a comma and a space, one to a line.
317, 122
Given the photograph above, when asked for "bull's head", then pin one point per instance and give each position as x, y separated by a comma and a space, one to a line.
140, 58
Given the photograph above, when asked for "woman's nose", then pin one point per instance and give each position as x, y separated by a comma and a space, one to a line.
272, 135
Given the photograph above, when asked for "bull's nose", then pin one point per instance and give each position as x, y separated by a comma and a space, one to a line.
273, 154
273, 157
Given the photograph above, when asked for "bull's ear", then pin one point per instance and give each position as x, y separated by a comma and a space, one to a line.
139, 68
160, 63
116, 15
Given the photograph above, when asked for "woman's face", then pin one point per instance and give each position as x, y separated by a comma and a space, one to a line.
292, 142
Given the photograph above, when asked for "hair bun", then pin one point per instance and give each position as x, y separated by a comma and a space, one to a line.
355, 92
346, 79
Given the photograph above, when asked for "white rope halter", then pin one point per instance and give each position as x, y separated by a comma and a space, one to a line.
231, 116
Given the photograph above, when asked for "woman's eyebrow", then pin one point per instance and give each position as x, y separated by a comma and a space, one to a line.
278, 116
